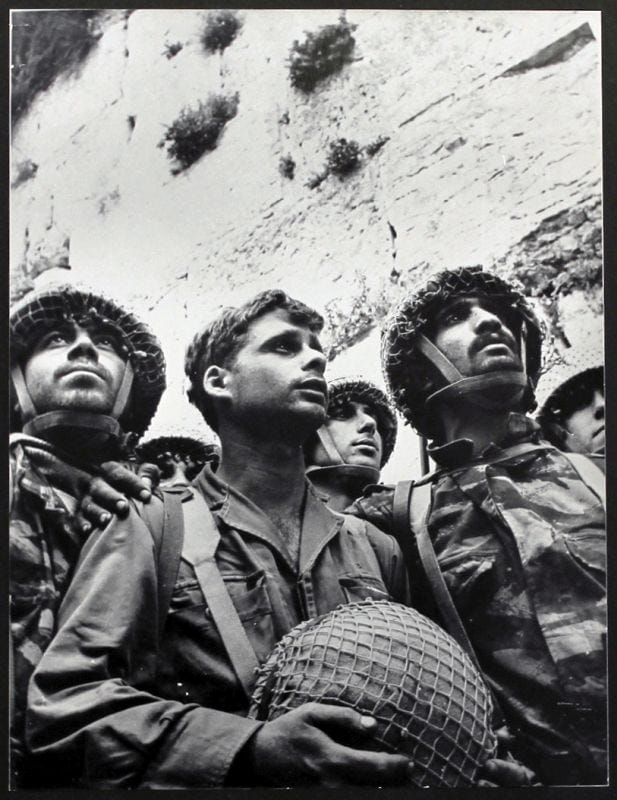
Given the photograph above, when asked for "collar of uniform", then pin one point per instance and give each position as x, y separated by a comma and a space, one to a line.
319, 523
519, 427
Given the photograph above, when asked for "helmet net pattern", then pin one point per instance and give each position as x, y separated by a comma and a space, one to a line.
403, 365
387, 660
344, 390
41, 310
183, 446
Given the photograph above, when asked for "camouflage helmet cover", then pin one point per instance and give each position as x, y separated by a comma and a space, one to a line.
386, 660
43, 309
360, 390
403, 364
183, 446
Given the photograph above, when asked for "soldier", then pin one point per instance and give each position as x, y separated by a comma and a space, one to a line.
111, 704
514, 527
87, 377
349, 451
179, 458
572, 417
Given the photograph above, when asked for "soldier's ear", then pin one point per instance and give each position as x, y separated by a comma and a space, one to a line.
216, 382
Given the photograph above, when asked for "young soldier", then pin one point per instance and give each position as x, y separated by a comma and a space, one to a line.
517, 528
86, 374
349, 451
572, 417
111, 704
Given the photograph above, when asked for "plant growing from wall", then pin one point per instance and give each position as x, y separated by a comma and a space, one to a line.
343, 158
220, 30
321, 54
46, 44
197, 130
172, 49
287, 167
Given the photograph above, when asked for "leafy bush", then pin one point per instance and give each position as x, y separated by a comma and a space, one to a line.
343, 158
320, 55
198, 129
287, 167
46, 44
221, 29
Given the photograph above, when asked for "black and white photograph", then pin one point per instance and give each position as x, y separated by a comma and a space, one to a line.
307, 399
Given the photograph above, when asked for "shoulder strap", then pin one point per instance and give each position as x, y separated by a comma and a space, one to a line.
419, 507
169, 552
201, 538
400, 520
590, 474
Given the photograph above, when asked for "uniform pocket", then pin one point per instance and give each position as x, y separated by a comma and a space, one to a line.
588, 548
363, 587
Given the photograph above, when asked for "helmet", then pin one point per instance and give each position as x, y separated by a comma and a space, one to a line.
185, 447
567, 387
42, 309
416, 371
388, 661
360, 390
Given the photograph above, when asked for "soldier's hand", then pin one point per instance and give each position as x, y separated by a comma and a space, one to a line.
107, 493
301, 747
506, 772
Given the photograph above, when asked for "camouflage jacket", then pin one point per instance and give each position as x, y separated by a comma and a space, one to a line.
522, 547
44, 546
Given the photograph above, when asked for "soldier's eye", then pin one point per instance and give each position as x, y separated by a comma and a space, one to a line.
107, 341
55, 337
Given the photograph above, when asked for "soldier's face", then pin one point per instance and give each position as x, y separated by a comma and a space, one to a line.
75, 368
353, 428
277, 376
474, 336
587, 425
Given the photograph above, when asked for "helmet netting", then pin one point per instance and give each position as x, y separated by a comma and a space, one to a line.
408, 375
360, 390
41, 310
388, 661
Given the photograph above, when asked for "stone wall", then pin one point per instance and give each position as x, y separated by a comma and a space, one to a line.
486, 148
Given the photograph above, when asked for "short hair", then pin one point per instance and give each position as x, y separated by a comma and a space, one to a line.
222, 339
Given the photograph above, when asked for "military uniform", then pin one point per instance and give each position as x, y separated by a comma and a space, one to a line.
521, 545
110, 707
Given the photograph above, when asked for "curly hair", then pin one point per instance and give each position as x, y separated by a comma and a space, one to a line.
223, 338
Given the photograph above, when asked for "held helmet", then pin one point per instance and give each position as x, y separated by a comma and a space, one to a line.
144, 378
416, 372
388, 661
356, 389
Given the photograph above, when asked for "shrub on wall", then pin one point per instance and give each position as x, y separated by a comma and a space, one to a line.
44, 45
343, 158
197, 130
320, 55
287, 167
220, 30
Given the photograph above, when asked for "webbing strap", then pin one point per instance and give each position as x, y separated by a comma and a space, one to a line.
201, 538
411, 506
590, 473
327, 442
169, 552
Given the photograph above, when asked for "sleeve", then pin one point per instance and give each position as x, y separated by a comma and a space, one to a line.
92, 717
375, 508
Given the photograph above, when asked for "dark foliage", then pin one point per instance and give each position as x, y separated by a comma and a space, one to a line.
221, 29
172, 49
287, 167
320, 55
373, 148
343, 158
197, 130
46, 44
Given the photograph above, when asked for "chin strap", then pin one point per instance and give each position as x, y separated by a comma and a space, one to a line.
100, 426
477, 388
338, 466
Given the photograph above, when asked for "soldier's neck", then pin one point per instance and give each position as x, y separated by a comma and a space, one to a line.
83, 445
341, 491
269, 472
465, 420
